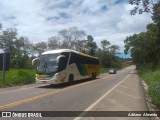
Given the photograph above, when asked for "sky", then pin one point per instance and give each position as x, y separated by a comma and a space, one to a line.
103, 19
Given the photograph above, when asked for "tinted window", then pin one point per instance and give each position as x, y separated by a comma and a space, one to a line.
76, 58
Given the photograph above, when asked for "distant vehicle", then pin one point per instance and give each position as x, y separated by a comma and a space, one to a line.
112, 71
65, 65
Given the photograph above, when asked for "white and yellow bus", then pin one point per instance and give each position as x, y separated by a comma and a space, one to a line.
65, 65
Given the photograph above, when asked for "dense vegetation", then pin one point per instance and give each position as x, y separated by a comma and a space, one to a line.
152, 78
18, 77
145, 47
22, 51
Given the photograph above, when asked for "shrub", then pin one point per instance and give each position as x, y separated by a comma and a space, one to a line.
103, 70
18, 77
152, 79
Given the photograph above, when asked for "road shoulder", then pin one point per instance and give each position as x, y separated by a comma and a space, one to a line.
127, 96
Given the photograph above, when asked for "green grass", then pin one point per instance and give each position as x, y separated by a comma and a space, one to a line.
103, 70
152, 79
18, 77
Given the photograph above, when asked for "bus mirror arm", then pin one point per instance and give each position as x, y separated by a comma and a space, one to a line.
35, 61
59, 57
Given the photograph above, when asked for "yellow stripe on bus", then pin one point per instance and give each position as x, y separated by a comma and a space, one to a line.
88, 55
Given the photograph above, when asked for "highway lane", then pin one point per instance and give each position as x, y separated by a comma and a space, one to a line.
60, 98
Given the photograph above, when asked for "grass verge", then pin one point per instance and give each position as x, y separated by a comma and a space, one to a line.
18, 77
152, 79
103, 70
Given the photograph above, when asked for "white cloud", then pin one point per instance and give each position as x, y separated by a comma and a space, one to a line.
136, 23
1, 51
103, 19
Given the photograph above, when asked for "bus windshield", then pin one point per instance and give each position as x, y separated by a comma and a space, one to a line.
47, 64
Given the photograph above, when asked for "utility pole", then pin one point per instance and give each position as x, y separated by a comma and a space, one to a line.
4, 66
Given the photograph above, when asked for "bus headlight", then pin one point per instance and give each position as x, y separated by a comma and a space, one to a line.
56, 75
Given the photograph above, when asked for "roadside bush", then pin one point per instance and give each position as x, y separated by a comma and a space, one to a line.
152, 79
18, 77
103, 70
154, 88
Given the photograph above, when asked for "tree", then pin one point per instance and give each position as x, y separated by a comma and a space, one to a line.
19, 48
81, 45
21, 53
23, 44
7, 39
53, 43
145, 47
156, 13
105, 45
148, 6
114, 49
70, 36
21, 60
107, 55
40, 47
92, 46
142, 6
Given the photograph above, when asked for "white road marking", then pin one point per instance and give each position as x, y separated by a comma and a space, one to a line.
97, 101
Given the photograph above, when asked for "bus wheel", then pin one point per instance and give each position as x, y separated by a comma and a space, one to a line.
70, 79
93, 76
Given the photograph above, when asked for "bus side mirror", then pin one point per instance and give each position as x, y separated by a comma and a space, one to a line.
60, 57
35, 62
62, 62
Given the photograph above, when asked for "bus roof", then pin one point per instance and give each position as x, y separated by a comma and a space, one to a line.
67, 50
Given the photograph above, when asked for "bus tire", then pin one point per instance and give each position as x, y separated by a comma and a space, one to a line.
70, 79
93, 76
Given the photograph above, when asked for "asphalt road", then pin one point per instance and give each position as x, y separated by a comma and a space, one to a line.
78, 97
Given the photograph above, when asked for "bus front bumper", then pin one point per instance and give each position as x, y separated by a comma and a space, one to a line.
46, 81
56, 79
